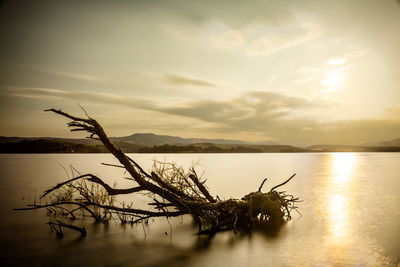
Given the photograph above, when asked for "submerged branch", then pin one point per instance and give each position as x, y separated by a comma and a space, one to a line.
113, 191
81, 205
138, 211
60, 224
94, 179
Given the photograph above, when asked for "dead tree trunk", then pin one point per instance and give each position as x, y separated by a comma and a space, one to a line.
173, 191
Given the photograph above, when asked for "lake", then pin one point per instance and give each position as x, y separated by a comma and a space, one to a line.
350, 214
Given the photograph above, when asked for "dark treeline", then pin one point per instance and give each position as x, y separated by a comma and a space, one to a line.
48, 146
53, 146
208, 148
56, 146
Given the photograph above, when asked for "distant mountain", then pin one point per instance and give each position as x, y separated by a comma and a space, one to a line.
384, 146
140, 143
221, 148
142, 139
56, 146
150, 139
349, 148
153, 143
393, 143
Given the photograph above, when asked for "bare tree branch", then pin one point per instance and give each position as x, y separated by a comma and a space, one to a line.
285, 182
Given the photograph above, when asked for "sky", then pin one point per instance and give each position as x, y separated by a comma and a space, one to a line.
298, 72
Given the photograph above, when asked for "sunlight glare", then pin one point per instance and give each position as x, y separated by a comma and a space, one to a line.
338, 197
338, 216
332, 82
342, 166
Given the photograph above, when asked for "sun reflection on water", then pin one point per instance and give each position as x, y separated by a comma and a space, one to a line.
339, 196
342, 167
338, 215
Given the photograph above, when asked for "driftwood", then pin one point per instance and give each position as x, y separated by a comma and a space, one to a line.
173, 192
58, 225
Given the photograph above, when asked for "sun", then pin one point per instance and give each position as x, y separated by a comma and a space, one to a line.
332, 82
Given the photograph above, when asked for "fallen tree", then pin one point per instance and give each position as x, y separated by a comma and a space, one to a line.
172, 191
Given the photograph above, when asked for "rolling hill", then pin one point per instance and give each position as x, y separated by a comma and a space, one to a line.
153, 143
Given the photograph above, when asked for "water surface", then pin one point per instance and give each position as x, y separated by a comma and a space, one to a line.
350, 214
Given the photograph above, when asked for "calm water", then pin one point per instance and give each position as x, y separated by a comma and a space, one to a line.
351, 213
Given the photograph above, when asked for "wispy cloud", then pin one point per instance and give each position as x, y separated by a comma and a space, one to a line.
179, 80
251, 111
79, 96
307, 74
255, 113
346, 57
393, 112
337, 61
286, 36
254, 38
253, 104
36, 69
81, 77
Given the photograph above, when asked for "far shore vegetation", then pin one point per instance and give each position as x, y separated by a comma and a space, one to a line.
58, 146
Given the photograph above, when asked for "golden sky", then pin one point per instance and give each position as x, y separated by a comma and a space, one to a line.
300, 72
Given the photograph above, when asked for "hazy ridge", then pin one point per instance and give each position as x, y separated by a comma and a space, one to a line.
153, 143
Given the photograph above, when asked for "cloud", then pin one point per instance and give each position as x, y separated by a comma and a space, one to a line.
346, 57
37, 70
254, 105
307, 74
79, 96
274, 39
337, 61
254, 37
249, 109
357, 131
181, 81
256, 113
81, 77
392, 112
